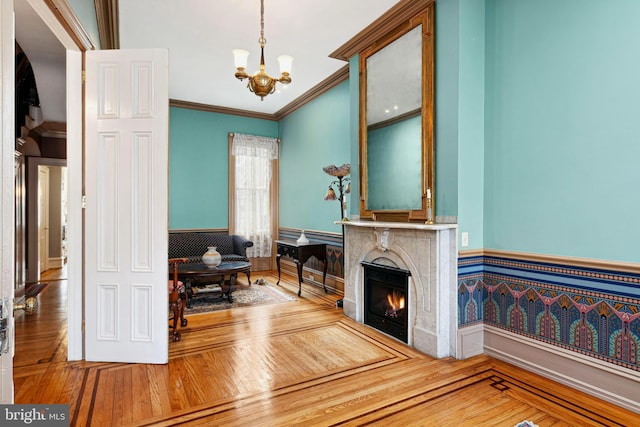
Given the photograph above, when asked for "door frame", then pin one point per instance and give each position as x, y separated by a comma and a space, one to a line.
7, 200
75, 178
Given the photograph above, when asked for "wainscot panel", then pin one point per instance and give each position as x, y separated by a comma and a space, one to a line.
335, 258
568, 309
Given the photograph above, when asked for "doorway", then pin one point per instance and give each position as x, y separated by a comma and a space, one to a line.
52, 214
35, 18
74, 100
46, 215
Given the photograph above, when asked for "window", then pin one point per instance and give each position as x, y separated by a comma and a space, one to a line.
253, 171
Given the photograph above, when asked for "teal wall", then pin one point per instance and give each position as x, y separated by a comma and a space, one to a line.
562, 131
536, 133
316, 135
471, 99
198, 165
354, 135
446, 106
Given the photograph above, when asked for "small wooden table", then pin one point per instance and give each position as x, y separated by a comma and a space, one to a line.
226, 274
301, 252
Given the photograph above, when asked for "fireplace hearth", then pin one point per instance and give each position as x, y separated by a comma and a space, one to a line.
386, 299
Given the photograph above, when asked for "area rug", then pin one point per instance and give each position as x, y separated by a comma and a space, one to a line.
33, 289
243, 296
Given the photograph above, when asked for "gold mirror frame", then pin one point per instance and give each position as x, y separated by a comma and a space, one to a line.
425, 19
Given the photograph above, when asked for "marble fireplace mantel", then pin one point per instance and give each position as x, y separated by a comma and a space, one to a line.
429, 252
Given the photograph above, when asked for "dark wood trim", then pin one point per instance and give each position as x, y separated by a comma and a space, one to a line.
65, 15
222, 110
200, 230
401, 12
330, 82
108, 17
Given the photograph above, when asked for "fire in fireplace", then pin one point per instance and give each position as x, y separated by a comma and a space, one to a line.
386, 299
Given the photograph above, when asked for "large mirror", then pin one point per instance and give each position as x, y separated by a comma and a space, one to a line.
396, 124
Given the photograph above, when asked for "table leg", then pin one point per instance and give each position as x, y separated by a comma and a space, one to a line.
232, 281
183, 304
324, 276
189, 291
278, 264
299, 265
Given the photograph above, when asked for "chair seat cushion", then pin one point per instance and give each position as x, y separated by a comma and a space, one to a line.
179, 285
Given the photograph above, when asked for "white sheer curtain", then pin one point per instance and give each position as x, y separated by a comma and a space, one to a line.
253, 157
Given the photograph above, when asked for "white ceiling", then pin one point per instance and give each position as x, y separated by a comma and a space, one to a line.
200, 35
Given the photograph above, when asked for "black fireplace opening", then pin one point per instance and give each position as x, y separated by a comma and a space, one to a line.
386, 300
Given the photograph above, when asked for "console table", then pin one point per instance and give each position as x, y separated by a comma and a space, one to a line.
301, 252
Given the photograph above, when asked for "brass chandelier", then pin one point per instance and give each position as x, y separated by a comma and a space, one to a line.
261, 83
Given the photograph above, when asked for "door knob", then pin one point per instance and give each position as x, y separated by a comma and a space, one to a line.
30, 305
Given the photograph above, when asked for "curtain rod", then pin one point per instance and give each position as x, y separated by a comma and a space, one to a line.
231, 134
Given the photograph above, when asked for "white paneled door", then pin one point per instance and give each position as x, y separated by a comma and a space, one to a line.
126, 215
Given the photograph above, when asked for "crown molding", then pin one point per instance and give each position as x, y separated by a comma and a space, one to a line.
397, 15
70, 22
332, 81
107, 15
222, 110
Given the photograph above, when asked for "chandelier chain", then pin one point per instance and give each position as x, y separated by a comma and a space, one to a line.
262, 40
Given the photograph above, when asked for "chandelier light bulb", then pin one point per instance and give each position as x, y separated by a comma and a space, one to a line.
240, 58
285, 62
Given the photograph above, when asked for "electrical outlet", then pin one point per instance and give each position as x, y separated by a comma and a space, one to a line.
465, 239
311, 277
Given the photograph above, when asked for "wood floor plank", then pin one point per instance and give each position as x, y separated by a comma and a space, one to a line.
293, 363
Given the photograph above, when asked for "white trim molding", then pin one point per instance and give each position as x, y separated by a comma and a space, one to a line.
606, 381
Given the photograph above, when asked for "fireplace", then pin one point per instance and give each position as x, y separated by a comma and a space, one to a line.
386, 299
429, 253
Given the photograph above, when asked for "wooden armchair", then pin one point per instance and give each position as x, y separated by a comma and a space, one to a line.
177, 298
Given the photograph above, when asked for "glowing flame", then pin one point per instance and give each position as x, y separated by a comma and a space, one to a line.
396, 303
396, 300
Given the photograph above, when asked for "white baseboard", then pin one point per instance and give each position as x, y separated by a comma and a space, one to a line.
55, 262
606, 381
470, 341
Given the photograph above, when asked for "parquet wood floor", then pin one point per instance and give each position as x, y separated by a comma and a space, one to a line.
294, 363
